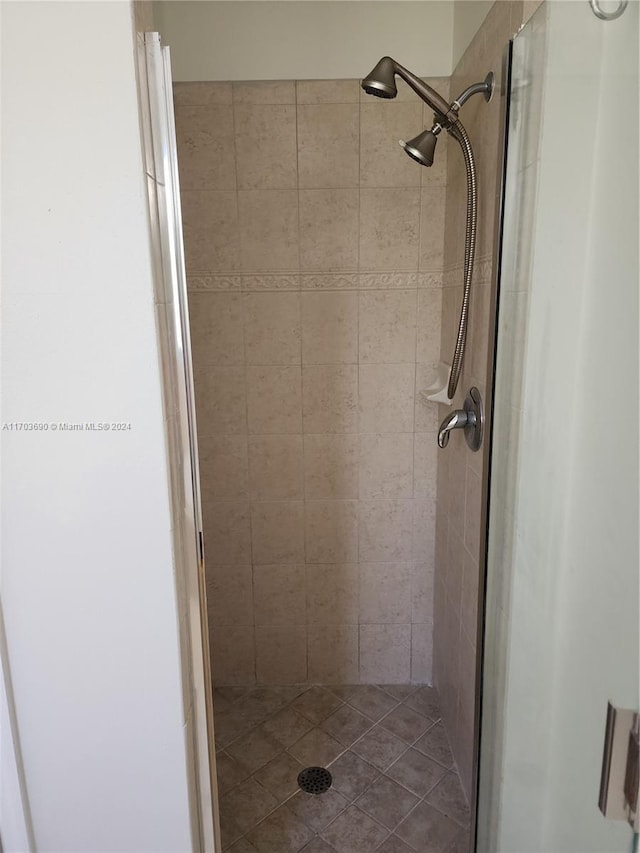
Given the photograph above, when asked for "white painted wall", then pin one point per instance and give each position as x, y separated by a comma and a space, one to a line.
273, 40
87, 580
571, 436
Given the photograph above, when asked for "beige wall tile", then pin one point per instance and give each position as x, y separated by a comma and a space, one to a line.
215, 321
330, 394
329, 328
454, 570
389, 229
281, 655
328, 145
427, 416
206, 152
473, 512
230, 596
425, 462
385, 654
275, 464
210, 225
220, 400
332, 594
422, 653
277, 532
383, 163
333, 654
272, 328
274, 400
233, 656
385, 531
385, 593
279, 594
265, 136
386, 394
224, 467
268, 225
227, 532
432, 228
329, 229
424, 530
470, 586
331, 531
422, 592
387, 326
328, 91
264, 92
201, 94
330, 466
429, 316
386, 466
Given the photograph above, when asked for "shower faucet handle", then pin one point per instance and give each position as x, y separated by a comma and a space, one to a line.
470, 418
456, 420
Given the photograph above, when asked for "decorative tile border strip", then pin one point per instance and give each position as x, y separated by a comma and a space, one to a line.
387, 280
204, 282
271, 282
334, 281
212, 283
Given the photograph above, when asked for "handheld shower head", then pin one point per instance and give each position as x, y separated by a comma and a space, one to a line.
381, 82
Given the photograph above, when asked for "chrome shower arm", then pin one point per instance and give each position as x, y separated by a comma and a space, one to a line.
485, 88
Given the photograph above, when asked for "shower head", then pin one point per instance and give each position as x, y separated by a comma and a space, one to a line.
422, 147
381, 83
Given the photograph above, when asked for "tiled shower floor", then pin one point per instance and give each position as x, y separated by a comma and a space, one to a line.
395, 786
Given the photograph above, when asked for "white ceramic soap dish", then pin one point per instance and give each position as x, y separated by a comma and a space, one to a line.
437, 391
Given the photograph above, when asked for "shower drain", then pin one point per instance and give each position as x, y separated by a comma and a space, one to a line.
314, 780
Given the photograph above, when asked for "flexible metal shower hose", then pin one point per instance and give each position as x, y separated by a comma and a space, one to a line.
460, 134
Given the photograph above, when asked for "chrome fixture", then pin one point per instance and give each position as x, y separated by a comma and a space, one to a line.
470, 418
608, 16
381, 83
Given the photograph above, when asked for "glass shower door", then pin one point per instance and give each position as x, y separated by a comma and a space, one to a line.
561, 637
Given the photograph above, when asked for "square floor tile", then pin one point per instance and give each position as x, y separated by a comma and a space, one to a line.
448, 797
317, 810
354, 832
317, 845
230, 772
379, 747
280, 776
242, 846
228, 726
229, 829
255, 749
248, 804
406, 723
416, 772
387, 802
280, 832
316, 748
393, 844
435, 744
371, 701
399, 691
425, 701
346, 725
287, 726
427, 830
316, 704
352, 775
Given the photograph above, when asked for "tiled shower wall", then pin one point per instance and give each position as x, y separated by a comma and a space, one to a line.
460, 472
314, 258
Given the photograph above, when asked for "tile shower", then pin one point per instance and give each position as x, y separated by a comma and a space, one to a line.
324, 273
